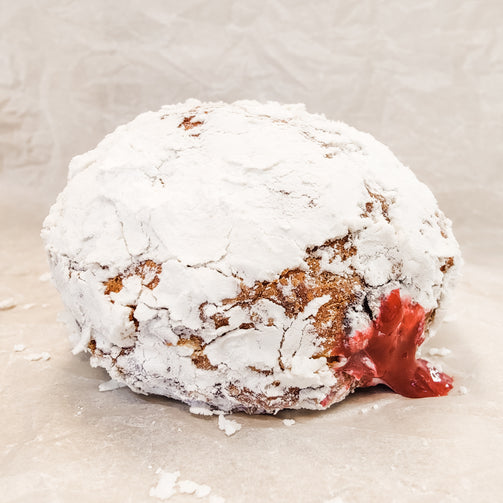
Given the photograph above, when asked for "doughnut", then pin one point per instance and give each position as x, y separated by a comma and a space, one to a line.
251, 257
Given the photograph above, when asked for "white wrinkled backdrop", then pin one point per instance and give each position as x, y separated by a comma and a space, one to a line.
425, 77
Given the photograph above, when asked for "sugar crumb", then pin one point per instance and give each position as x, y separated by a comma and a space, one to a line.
228, 425
288, 422
201, 410
190, 487
19, 347
166, 487
44, 277
463, 390
187, 486
110, 385
202, 491
7, 304
35, 357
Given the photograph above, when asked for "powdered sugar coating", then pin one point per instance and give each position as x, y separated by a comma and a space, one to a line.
186, 207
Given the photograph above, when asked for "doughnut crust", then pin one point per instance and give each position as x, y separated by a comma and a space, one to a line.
237, 256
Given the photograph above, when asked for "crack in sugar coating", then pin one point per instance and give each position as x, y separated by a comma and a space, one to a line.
294, 289
145, 269
199, 359
190, 123
379, 199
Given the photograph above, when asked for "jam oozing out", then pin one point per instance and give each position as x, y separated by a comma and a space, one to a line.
386, 352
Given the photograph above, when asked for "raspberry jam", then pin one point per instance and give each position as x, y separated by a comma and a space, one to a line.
386, 352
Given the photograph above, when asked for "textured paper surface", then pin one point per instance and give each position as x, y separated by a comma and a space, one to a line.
423, 77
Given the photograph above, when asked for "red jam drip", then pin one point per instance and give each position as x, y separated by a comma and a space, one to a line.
386, 352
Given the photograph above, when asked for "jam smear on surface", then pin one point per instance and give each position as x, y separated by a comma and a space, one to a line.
386, 352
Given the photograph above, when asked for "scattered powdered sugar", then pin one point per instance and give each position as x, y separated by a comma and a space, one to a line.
463, 390
288, 422
7, 304
202, 410
228, 426
28, 306
364, 410
190, 487
45, 277
168, 485
439, 352
110, 385
337, 499
19, 347
34, 357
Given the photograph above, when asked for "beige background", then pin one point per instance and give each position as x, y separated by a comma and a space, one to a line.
424, 77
